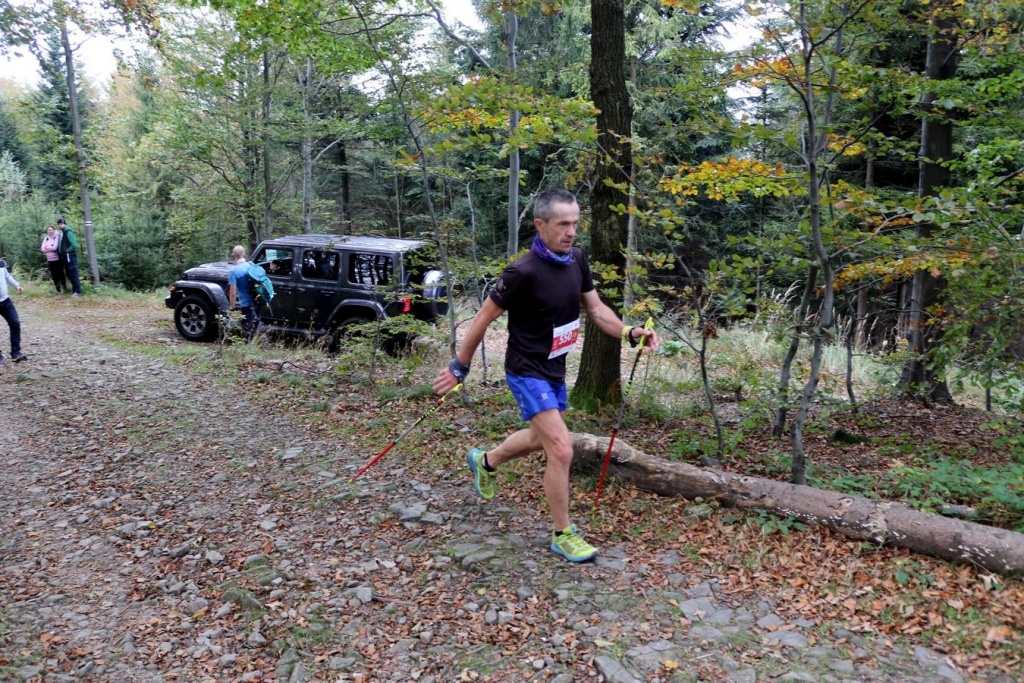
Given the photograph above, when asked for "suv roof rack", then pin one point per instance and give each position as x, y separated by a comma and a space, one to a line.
355, 241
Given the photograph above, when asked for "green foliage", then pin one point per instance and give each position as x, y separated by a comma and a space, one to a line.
1011, 435
996, 491
133, 250
771, 524
909, 571
10, 140
54, 171
13, 180
475, 115
690, 448
22, 227
858, 484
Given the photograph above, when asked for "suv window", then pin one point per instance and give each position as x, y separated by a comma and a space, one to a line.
369, 269
276, 261
320, 264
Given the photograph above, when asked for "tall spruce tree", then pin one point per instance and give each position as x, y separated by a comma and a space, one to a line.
54, 170
10, 140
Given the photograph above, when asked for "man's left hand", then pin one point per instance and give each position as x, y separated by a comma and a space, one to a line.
650, 341
444, 382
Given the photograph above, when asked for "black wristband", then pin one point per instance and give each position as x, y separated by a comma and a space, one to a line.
457, 369
633, 341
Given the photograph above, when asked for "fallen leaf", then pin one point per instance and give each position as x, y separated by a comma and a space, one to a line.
998, 634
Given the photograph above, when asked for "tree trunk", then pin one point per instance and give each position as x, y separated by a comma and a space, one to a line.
307, 149
417, 140
786, 371
512, 30
861, 320
880, 522
83, 162
920, 380
629, 282
851, 334
345, 214
250, 157
816, 177
268, 188
399, 193
600, 376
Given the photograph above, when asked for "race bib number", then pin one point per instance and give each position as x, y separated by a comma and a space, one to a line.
564, 338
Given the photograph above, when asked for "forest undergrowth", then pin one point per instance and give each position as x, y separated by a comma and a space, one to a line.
930, 458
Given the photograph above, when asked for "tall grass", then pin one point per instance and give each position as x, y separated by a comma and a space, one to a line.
745, 361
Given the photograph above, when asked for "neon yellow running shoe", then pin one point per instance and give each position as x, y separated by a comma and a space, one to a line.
570, 545
483, 481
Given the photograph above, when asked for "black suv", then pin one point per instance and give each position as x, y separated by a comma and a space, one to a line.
322, 284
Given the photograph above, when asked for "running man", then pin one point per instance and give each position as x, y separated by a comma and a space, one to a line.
542, 292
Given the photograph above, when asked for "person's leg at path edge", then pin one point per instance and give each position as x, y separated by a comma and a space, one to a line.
248, 322
56, 274
9, 313
71, 266
257, 319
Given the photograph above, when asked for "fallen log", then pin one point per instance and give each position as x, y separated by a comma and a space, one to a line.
880, 522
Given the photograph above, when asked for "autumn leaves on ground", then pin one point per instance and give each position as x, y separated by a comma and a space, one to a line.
974, 617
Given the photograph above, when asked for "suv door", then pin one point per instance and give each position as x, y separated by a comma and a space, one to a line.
279, 263
318, 287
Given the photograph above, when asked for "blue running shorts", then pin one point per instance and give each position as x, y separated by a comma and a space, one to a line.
536, 395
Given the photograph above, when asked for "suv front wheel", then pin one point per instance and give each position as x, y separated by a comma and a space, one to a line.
193, 316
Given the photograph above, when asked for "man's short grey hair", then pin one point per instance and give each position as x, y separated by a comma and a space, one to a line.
238, 252
544, 204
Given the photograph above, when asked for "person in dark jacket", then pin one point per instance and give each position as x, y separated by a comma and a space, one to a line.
68, 251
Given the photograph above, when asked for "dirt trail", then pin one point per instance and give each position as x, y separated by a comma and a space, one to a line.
157, 527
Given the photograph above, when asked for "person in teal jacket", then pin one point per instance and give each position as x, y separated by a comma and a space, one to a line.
68, 251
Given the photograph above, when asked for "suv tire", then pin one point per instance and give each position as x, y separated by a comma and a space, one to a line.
433, 301
193, 316
342, 330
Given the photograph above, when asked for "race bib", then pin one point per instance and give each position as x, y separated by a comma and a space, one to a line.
564, 338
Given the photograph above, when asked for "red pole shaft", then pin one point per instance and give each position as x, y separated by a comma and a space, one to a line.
622, 411
411, 427
375, 459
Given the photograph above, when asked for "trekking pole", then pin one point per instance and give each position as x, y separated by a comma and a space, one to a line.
649, 325
411, 427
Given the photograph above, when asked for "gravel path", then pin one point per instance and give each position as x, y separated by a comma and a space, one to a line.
156, 527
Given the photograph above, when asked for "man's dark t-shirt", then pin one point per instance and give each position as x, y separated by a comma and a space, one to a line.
543, 304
